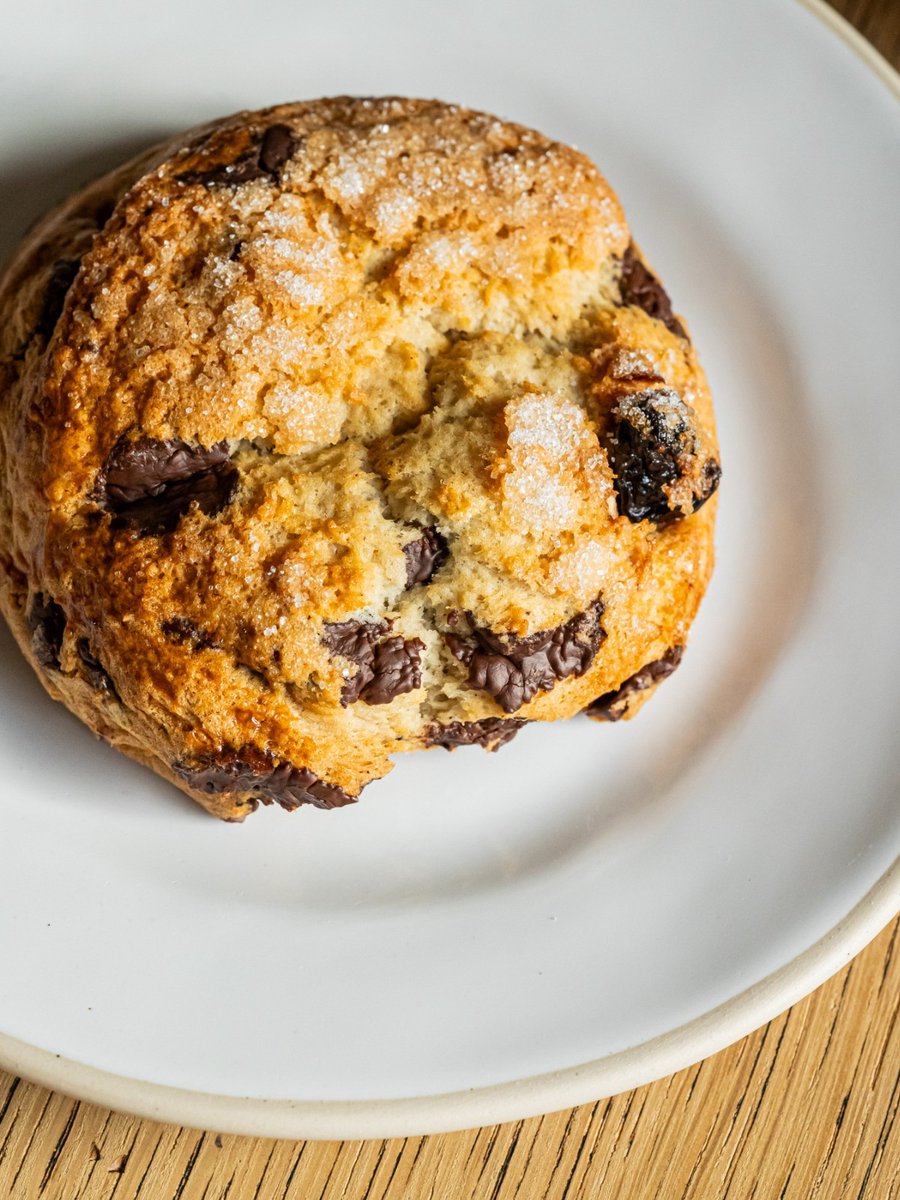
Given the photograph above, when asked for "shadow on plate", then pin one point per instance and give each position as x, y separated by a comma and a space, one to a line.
36, 729
32, 185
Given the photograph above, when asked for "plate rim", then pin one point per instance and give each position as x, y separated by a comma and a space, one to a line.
515, 1099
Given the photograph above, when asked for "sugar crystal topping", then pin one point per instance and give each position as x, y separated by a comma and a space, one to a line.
549, 443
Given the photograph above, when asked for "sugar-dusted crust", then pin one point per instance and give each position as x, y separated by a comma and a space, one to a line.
331, 430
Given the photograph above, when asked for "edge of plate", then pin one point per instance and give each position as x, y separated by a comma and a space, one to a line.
409, 1116
857, 43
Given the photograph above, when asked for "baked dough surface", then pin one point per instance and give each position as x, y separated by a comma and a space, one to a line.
342, 429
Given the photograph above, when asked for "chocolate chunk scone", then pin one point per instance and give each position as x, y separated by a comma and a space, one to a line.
341, 429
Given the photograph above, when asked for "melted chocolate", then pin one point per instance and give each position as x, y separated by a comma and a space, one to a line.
613, 706
387, 665
641, 288
258, 772
426, 555
513, 670
47, 623
490, 733
149, 485
653, 443
710, 477
263, 161
62, 276
183, 632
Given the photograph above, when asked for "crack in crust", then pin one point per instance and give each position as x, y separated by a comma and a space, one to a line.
93, 670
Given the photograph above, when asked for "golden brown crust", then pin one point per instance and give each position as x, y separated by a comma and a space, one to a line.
381, 321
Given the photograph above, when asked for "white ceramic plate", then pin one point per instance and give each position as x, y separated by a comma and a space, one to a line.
490, 936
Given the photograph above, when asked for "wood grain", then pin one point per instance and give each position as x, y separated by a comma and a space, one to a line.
877, 20
804, 1109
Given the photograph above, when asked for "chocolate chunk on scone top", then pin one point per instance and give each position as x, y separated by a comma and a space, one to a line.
387, 666
62, 276
424, 556
148, 485
708, 482
655, 452
514, 669
183, 632
264, 160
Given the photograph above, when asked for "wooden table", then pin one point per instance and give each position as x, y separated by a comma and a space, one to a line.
805, 1108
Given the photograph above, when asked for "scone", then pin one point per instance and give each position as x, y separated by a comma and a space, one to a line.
341, 429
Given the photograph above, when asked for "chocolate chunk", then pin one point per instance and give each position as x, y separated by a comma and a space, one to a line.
149, 485
613, 706
210, 491
652, 444
395, 668
513, 670
387, 666
266, 158
47, 623
92, 670
710, 477
490, 733
355, 641
277, 146
136, 470
183, 632
424, 557
62, 276
641, 288
267, 780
